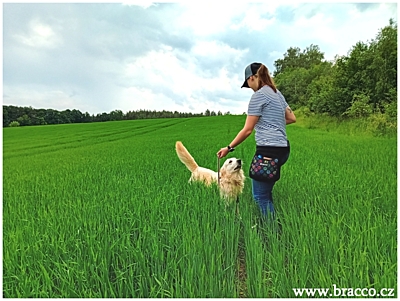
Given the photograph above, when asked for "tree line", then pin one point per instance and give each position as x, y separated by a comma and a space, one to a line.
24, 116
359, 84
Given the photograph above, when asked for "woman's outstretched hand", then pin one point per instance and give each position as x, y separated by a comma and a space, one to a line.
222, 152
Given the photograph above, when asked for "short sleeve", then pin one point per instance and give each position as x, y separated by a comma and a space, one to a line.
256, 104
283, 100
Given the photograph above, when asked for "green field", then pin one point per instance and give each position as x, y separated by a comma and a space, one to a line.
105, 210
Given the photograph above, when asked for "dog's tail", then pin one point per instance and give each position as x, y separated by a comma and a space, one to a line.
185, 156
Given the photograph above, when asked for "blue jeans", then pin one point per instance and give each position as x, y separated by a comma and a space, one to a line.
262, 194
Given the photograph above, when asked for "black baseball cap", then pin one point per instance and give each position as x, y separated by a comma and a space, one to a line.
249, 71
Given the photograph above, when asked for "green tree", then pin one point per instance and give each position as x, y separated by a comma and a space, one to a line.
116, 115
360, 107
384, 65
294, 58
14, 124
369, 70
295, 83
289, 61
24, 120
320, 94
6, 116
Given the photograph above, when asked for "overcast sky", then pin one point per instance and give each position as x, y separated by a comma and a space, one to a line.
184, 56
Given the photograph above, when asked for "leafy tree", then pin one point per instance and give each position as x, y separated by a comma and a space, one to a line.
86, 117
360, 107
384, 65
53, 117
6, 117
14, 124
369, 71
295, 83
294, 59
102, 117
116, 115
76, 116
353, 76
24, 120
321, 94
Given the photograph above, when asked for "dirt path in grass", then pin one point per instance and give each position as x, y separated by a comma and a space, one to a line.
242, 276
241, 265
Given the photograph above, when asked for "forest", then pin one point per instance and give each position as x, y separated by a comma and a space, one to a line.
15, 116
361, 84
356, 85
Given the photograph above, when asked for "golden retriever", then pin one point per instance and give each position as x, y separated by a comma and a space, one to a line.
231, 174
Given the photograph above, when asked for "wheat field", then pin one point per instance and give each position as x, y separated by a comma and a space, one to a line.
105, 210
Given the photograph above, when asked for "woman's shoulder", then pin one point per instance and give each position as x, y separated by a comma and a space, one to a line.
269, 92
257, 96
268, 89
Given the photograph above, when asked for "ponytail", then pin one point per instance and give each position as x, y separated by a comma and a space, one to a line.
264, 78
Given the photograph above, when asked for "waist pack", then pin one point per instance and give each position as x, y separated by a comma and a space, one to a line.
265, 169
267, 161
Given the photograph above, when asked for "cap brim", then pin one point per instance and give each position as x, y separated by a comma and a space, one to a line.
245, 85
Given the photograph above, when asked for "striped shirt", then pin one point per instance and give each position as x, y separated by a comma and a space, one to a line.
271, 126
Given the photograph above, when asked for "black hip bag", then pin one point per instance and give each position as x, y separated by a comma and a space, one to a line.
267, 161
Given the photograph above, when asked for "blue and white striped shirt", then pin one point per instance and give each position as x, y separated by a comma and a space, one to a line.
271, 127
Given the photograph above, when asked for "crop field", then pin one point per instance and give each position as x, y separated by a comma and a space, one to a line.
106, 210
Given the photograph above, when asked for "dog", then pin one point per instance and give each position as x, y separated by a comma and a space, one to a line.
231, 174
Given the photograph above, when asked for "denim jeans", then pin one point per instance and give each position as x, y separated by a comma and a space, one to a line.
262, 194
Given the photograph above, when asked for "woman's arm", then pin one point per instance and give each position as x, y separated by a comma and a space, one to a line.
289, 116
241, 136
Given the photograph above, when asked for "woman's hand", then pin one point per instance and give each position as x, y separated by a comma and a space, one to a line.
241, 136
223, 152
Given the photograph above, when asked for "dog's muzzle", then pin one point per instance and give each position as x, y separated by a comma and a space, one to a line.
239, 164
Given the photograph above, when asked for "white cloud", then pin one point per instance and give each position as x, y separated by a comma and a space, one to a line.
335, 32
40, 97
180, 83
183, 77
253, 20
218, 52
358, 26
40, 35
142, 3
205, 18
186, 57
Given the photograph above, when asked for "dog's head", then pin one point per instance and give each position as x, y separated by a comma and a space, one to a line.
231, 178
231, 166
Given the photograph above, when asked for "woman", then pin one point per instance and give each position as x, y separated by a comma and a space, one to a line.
268, 113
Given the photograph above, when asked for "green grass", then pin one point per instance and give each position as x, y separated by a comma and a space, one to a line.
105, 210
375, 125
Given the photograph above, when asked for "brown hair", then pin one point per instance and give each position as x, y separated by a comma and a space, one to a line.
264, 78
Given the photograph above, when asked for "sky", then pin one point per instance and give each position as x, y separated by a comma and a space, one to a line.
181, 56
